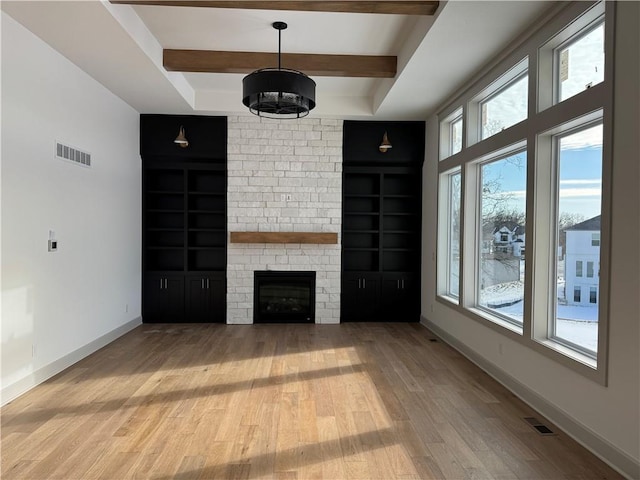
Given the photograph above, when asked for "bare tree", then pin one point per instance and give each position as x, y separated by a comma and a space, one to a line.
498, 210
565, 221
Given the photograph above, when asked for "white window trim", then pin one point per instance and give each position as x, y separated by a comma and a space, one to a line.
546, 195
474, 296
448, 119
583, 24
543, 117
443, 267
506, 80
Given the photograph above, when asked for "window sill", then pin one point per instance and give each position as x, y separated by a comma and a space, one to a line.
569, 353
496, 320
449, 299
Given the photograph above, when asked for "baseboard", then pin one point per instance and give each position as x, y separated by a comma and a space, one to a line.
600, 447
13, 391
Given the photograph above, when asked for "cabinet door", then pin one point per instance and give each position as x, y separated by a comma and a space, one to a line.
349, 297
206, 298
400, 299
360, 297
199, 299
163, 299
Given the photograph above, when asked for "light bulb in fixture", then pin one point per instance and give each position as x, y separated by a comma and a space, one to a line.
386, 144
181, 140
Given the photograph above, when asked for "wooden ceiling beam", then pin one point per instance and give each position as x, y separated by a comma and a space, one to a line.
398, 7
209, 61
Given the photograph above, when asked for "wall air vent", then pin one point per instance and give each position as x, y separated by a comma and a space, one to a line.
65, 152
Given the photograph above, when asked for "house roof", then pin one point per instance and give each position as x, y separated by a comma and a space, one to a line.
592, 224
509, 225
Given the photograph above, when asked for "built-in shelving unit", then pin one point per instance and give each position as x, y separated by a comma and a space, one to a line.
381, 223
184, 219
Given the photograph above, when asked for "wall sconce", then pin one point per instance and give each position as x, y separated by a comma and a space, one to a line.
386, 144
181, 140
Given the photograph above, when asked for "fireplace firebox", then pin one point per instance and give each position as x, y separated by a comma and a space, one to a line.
284, 297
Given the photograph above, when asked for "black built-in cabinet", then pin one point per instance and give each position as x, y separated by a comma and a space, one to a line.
381, 221
184, 219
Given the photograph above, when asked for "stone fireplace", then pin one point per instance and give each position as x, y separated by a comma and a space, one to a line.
284, 176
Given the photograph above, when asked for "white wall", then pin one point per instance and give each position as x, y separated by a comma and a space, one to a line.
59, 306
268, 159
604, 418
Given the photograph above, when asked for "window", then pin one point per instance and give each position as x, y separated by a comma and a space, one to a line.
449, 243
505, 108
576, 294
536, 141
456, 135
580, 63
451, 134
502, 206
579, 196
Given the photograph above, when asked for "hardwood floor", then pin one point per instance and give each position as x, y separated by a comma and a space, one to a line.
350, 401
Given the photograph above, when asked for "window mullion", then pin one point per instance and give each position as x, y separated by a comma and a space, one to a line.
469, 234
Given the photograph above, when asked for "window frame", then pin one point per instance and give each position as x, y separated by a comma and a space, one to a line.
579, 268
566, 44
549, 337
519, 75
491, 314
545, 119
443, 265
446, 125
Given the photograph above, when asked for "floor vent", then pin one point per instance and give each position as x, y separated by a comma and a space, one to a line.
65, 152
539, 427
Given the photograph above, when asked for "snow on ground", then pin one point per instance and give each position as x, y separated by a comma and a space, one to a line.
581, 333
502, 294
576, 324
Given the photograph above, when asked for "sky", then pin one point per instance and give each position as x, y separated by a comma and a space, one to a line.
579, 183
580, 153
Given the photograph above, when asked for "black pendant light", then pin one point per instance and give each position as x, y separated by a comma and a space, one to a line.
279, 92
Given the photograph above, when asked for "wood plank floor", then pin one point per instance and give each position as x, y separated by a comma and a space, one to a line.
351, 401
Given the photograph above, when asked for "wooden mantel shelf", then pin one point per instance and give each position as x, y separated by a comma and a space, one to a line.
284, 237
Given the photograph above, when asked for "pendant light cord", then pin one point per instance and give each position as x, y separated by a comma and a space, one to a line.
279, 47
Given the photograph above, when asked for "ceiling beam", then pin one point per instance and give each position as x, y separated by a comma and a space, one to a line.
398, 7
312, 64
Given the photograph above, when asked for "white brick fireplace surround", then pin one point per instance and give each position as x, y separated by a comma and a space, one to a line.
283, 176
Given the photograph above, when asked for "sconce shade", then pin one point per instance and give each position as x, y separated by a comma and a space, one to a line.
181, 140
279, 92
386, 144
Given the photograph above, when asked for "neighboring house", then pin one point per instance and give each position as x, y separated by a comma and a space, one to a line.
505, 238
582, 263
502, 251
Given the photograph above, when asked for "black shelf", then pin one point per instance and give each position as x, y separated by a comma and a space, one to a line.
208, 230
165, 192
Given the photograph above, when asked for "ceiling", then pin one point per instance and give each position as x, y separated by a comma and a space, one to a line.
121, 46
